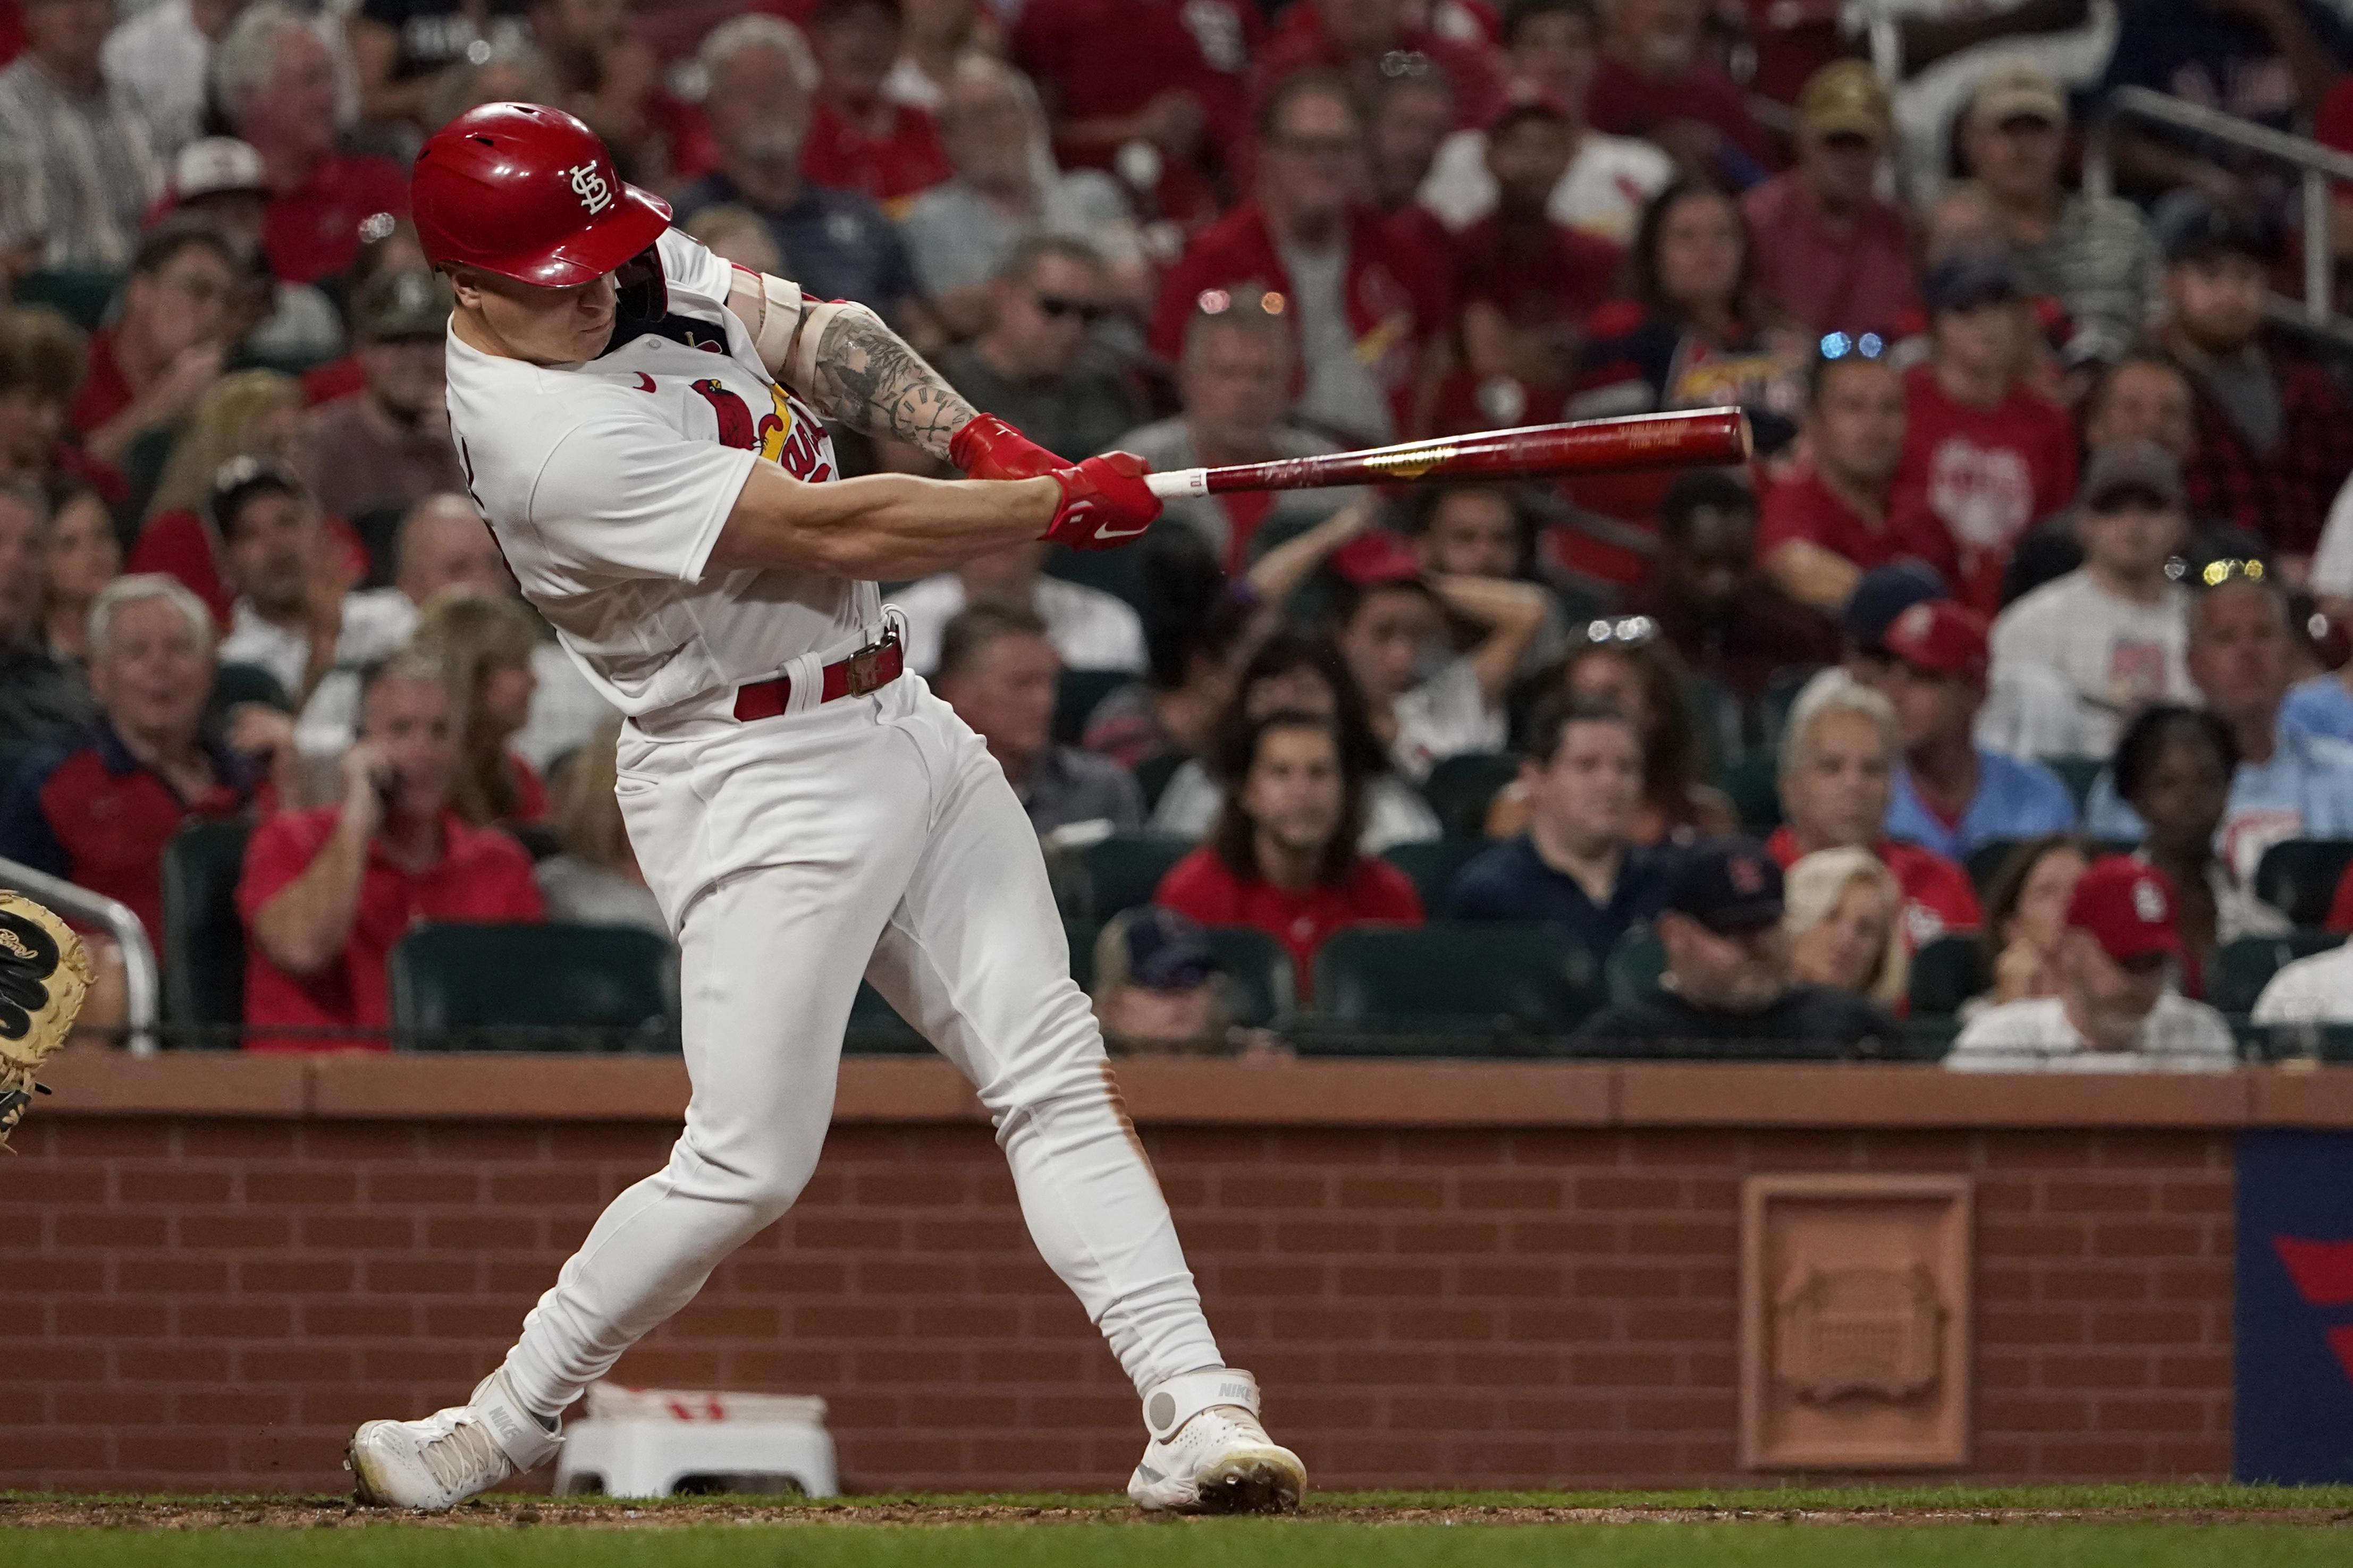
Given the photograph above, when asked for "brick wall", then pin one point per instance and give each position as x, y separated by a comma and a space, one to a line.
214, 1302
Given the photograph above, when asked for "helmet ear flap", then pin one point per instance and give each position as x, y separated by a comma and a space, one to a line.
641, 298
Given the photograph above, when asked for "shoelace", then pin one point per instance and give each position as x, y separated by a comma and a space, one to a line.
462, 1453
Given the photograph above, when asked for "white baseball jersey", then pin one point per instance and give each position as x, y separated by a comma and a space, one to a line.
606, 484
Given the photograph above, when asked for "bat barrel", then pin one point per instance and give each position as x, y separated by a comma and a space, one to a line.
1698, 438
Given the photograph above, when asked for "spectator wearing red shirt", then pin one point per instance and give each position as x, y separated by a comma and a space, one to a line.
1169, 74
41, 360
1655, 81
1991, 456
1282, 856
1838, 768
2340, 906
1843, 514
1830, 254
100, 814
1371, 313
1526, 282
276, 85
327, 894
858, 140
165, 347
2274, 432
1364, 41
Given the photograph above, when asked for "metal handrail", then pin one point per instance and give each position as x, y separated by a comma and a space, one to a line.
143, 981
2316, 163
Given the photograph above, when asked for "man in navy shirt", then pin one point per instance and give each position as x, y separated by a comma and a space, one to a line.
1575, 866
1950, 793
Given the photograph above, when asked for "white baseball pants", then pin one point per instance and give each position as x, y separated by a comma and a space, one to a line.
872, 836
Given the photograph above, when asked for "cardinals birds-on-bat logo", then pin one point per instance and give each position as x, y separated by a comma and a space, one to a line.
784, 436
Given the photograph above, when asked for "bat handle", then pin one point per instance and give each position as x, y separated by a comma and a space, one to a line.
1178, 483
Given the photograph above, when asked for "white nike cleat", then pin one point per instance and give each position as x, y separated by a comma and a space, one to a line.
1208, 1454
436, 1464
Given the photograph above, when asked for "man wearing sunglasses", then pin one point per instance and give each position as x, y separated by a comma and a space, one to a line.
1036, 364
2116, 1010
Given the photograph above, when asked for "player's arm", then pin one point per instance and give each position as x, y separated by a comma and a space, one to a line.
852, 368
849, 364
898, 525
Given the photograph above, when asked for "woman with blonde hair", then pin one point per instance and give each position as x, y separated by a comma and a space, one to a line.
486, 644
1842, 911
595, 880
252, 414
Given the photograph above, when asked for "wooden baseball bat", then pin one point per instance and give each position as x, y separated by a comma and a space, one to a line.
1699, 439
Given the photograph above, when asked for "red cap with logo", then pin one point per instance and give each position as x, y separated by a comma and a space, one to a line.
1375, 558
2128, 906
529, 193
1940, 636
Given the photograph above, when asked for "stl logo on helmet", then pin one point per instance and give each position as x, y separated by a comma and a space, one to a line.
786, 436
589, 182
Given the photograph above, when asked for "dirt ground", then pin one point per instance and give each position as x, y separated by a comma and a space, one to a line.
200, 1513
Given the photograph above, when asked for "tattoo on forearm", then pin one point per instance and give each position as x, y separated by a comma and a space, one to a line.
870, 380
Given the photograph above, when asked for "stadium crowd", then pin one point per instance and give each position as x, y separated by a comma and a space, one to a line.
1988, 696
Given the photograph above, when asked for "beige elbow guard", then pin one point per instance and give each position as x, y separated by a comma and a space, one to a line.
772, 310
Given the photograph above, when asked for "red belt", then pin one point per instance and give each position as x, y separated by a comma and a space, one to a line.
871, 668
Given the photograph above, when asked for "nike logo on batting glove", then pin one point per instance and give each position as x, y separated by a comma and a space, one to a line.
1105, 502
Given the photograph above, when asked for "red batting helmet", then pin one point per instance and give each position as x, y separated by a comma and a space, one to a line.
529, 193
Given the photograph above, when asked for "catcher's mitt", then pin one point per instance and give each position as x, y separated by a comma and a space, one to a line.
44, 974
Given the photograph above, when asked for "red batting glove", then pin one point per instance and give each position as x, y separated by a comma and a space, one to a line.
1106, 503
989, 449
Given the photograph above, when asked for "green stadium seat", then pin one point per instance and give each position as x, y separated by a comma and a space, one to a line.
2299, 877
1124, 870
1635, 962
1461, 788
1719, 717
1433, 865
1262, 988
1506, 984
1119, 573
877, 1030
204, 940
1081, 935
2079, 773
1946, 973
1752, 785
1781, 694
2243, 968
1076, 692
1152, 773
1985, 863
80, 298
533, 987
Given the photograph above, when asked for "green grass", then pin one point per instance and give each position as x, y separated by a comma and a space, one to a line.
1204, 1544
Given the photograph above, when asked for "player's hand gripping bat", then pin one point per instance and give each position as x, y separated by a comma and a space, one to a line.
1700, 438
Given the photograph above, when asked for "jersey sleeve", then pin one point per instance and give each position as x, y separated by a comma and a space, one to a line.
633, 498
690, 268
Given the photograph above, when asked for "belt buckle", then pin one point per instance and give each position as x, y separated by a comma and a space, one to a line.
862, 671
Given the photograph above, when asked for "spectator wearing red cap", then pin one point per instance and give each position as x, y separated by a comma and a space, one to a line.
1843, 515
2116, 1010
1838, 761
1370, 313
1950, 793
1550, 47
1991, 455
1282, 856
1830, 254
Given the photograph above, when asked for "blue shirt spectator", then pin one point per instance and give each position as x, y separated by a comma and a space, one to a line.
2014, 800
2321, 706
2287, 784
1577, 866
1949, 793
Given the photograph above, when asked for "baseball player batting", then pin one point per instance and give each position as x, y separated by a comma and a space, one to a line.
639, 422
